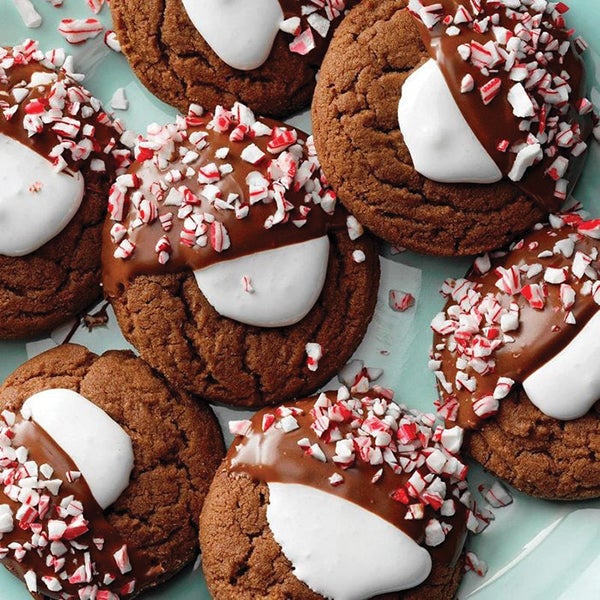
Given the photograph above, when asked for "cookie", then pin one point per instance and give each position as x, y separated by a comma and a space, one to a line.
515, 354
104, 472
265, 54
59, 155
443, 157
343, 495
229, 264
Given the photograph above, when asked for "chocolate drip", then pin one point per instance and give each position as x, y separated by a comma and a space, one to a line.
541, 333
496, 122
274, 456
43, 449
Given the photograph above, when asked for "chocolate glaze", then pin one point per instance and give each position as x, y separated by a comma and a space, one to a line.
496, 122
274, 456
42, 143
43, 449
541, 334
248, 235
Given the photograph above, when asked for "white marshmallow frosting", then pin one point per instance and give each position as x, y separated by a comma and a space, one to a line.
273, 288
97, 444
36, 202
240, 32
568, 385
340, 550
441, 144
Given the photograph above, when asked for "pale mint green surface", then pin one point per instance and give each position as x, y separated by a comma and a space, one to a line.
536, 550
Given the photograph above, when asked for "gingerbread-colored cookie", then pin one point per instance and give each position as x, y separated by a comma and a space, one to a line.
515, 354
59, 154
172, 58
369, 162
312, 501
231, 268
175, 446
537, 454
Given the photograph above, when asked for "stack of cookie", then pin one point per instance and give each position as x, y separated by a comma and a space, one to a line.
240, 257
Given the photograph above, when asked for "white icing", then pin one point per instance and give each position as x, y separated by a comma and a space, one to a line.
240, 32
441, 144
340, 550
98, 445
285, 283
29, 219
568, 384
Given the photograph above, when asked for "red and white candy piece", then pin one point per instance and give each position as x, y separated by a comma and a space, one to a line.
76, 31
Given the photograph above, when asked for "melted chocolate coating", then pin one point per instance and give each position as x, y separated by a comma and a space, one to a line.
43, 449
19, 75
495, 122
541, 333
248, 235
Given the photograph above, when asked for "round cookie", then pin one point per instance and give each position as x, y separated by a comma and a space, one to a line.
229, 264
265, 53
341, 496
120, 466
376, 51
515, 354
59, 154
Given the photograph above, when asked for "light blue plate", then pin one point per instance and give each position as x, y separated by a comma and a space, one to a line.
535, 549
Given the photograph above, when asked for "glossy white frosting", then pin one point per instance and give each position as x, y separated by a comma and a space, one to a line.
97, 444
273, 288
240, 32
441, 144
36, 203
340, 550
568, 385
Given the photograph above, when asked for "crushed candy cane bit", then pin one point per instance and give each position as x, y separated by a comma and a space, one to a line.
400, 301
31, 17
314, 353
77, 31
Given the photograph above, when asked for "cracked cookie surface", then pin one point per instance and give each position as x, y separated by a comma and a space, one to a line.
241, 558
175, 329
62, 278
363, 154
176, 64
537, 454
177, 445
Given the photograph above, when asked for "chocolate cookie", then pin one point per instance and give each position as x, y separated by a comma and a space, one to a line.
59, 155
399, 133
265, 54
104, 470
515, 354
337, 496
229, 264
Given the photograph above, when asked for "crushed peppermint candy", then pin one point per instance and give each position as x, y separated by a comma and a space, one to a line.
31, 17
553, 271
76, 31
